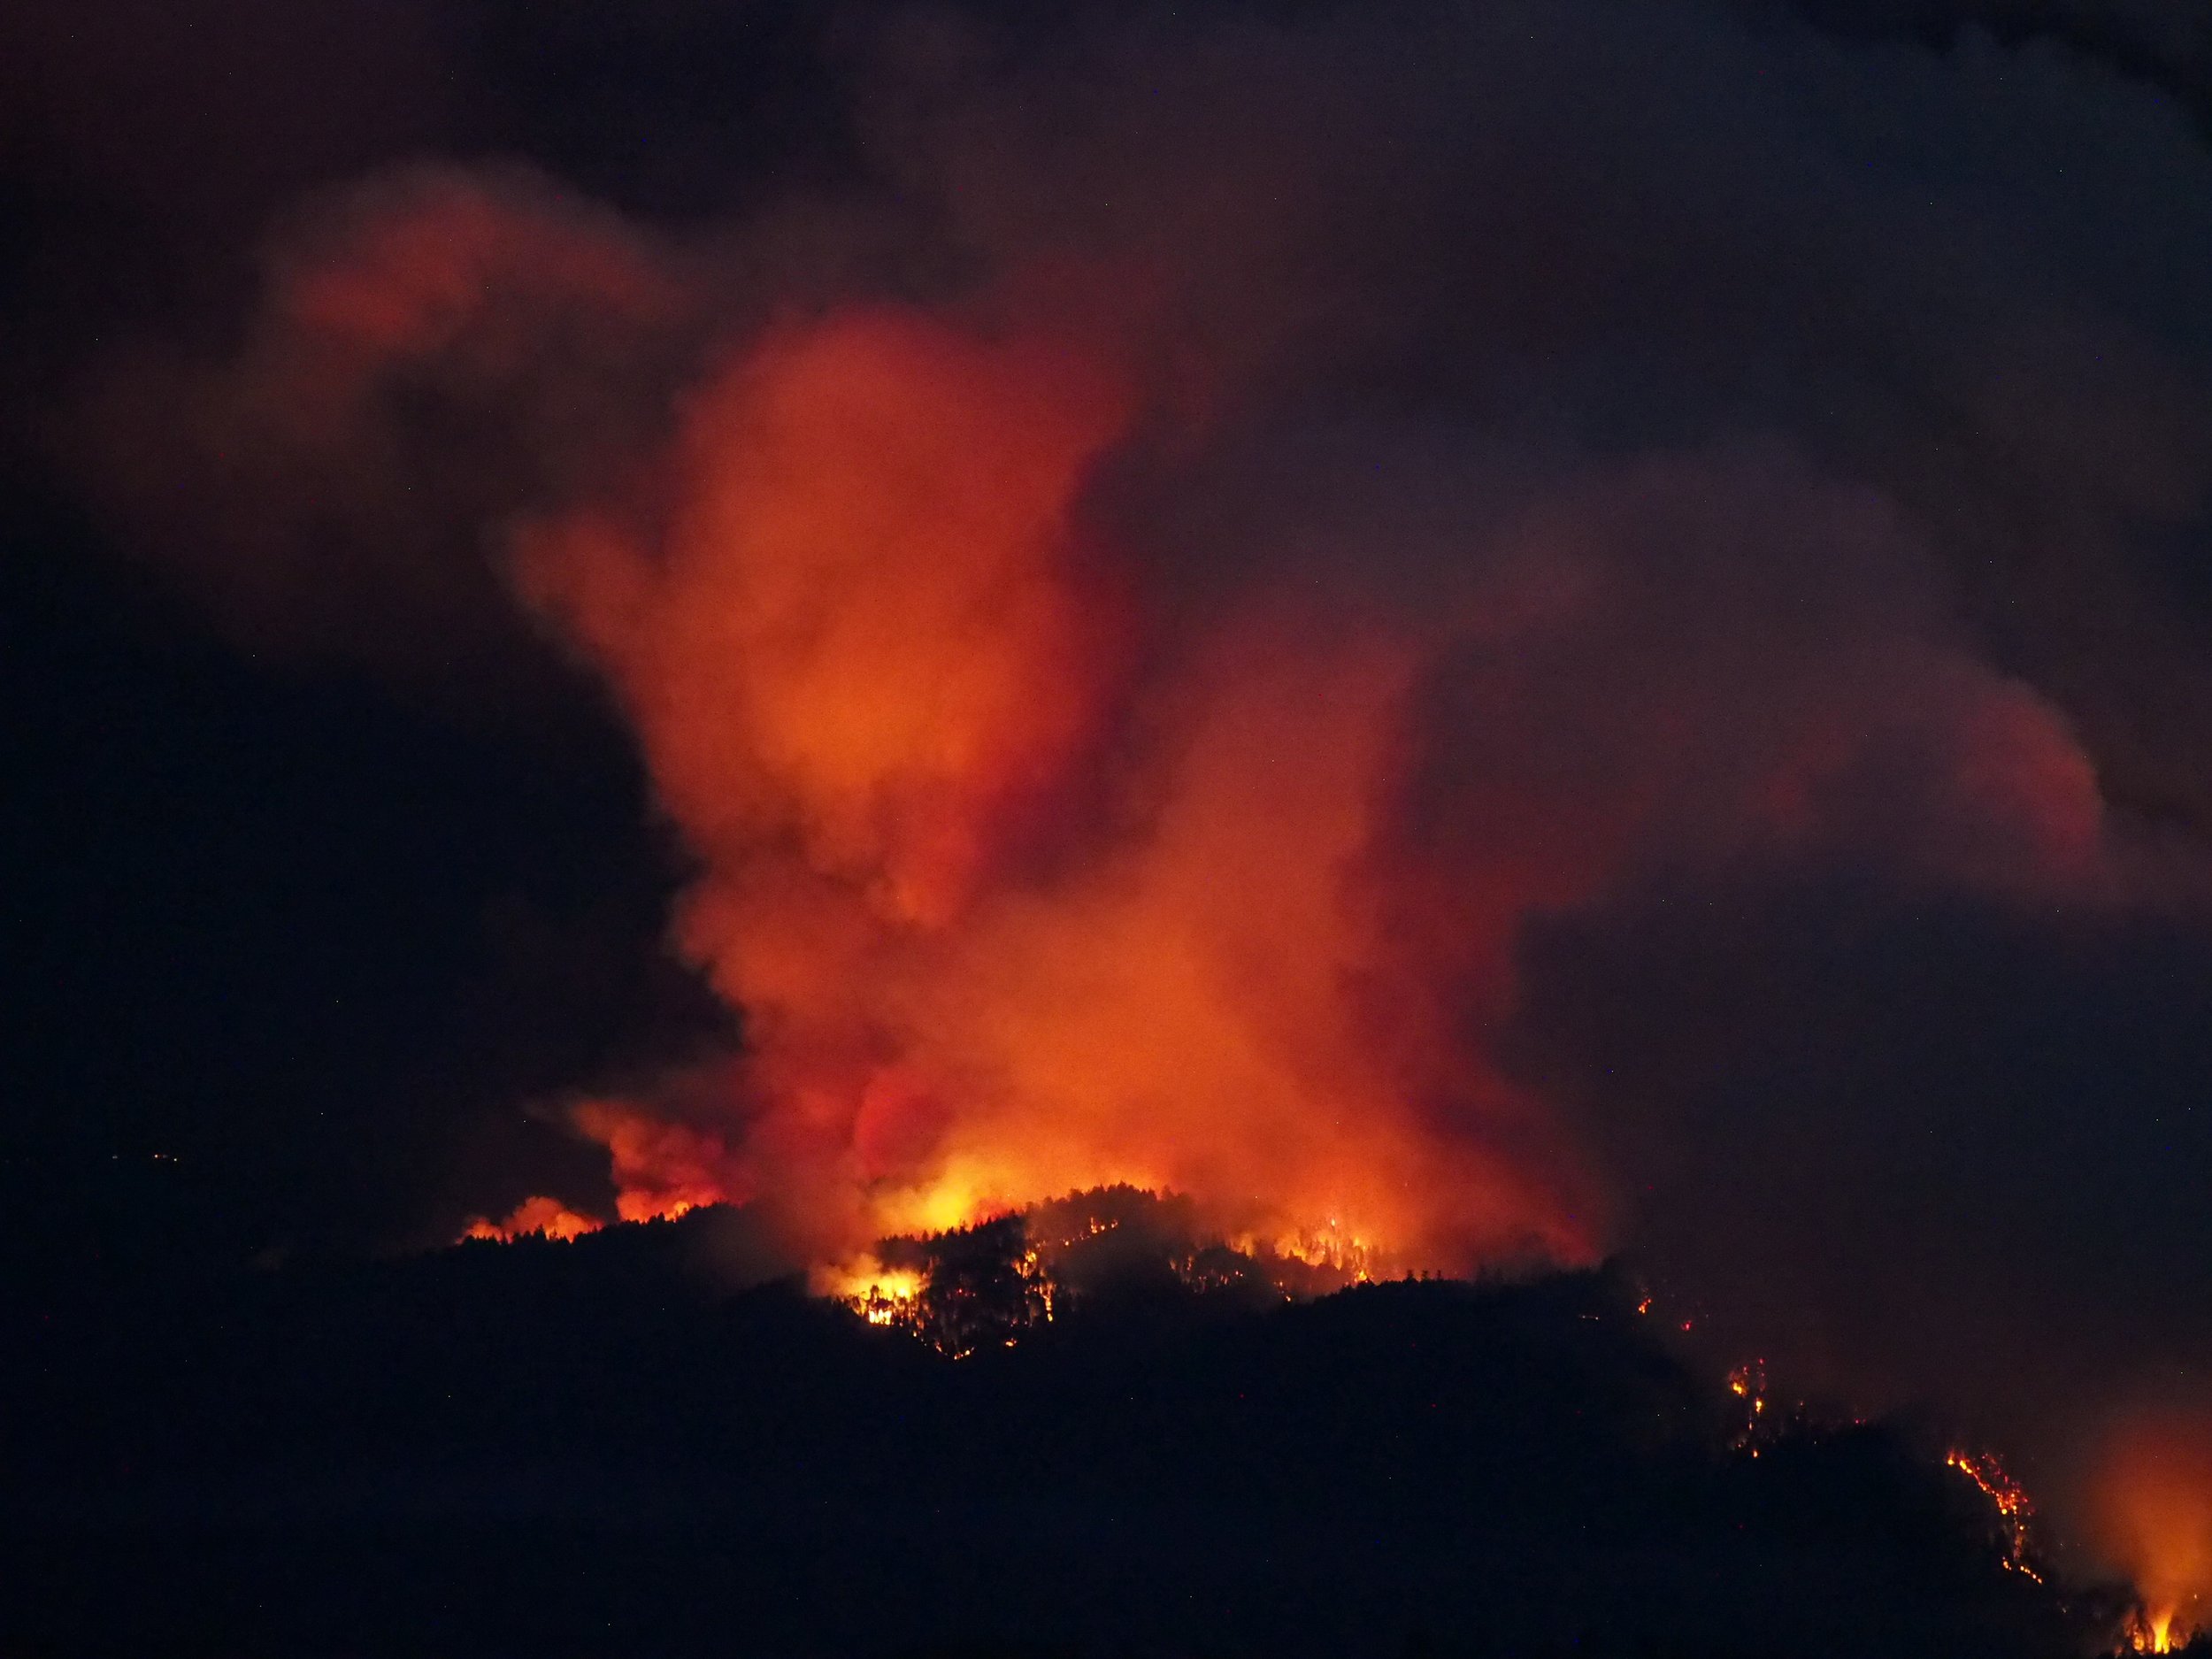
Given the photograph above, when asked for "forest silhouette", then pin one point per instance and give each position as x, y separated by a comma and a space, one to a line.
597, 1447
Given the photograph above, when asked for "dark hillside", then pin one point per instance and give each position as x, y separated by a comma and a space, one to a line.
586, 1448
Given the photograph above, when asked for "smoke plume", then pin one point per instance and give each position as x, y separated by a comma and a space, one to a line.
1449, 634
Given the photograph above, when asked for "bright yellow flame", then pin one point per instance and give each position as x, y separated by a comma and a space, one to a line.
880, 1294
2155, 1518
2160, 1630
1330, 1246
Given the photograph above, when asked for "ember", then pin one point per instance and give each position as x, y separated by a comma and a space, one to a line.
2010, 1501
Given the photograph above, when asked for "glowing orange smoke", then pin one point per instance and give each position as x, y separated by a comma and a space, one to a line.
663, 1170
874, 664
2153, 1506
1034, 862
1026, 879
545, 1217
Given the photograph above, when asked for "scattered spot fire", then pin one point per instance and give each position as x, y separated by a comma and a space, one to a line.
1748, 1385
2014, 1510
880, 1294
966, 1288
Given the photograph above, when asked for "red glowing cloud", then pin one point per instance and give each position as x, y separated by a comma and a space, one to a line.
1018, 893
877, 673
1036, 850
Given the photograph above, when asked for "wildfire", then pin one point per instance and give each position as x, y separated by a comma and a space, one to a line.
545, 1218
551, 1218
880, 1294
2157, 1631
2007, 1497
2153, 1515
1015, 899
1748, 1385
1027, 875
1331, 1247
985, 1286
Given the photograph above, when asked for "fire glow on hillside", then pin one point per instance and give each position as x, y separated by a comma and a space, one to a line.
2154, 1512
1002, 1275
1035, 852
987, 1286
1022, 887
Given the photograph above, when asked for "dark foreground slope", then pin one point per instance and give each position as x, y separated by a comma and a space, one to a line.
588, 1450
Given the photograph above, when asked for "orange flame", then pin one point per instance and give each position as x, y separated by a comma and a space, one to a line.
2153, 1507
882, 1295
2154, 1630
545, 1217
2010, 1499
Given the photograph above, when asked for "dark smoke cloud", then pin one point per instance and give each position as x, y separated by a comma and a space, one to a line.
1945, 1150
440, 352
2165, 47
1816, 404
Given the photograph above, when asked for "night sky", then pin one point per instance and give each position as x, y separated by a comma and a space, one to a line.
1759, 454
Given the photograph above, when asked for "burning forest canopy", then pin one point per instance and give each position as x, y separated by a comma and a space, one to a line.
1450, 643
591, 1446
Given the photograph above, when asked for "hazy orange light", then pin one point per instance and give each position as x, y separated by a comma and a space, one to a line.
988, 946
543, 1216
2152, 1509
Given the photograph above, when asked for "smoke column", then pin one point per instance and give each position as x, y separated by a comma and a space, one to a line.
1462, 638
2152, 1510
1020, 888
